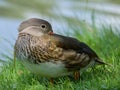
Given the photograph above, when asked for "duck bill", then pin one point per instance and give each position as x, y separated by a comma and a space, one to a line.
50, 32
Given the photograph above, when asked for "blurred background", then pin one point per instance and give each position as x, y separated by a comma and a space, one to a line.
60, 13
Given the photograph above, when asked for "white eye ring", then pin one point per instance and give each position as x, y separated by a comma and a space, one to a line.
43, 26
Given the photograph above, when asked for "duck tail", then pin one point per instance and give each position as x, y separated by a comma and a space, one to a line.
101, 62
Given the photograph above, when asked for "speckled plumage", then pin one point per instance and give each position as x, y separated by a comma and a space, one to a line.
51, 55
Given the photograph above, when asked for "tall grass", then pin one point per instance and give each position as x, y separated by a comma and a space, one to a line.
103, 41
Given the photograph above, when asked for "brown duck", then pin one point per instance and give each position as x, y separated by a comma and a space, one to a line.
51, 55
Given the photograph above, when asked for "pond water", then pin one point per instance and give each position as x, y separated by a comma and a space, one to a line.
107, 13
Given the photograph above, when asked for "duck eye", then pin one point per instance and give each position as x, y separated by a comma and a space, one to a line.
43, 26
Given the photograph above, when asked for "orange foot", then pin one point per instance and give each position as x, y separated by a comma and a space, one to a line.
51, 81
76, 75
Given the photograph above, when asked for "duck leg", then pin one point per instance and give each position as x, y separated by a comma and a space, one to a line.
51, 81
76, 75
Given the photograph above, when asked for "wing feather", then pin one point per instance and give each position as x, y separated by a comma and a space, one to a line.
73, 44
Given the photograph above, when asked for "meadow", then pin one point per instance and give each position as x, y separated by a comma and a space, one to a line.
103, 40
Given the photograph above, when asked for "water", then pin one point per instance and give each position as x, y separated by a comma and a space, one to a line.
8, 34
104, 13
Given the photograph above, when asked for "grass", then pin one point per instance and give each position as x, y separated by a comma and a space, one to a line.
22, 9
19, 9
103, 41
